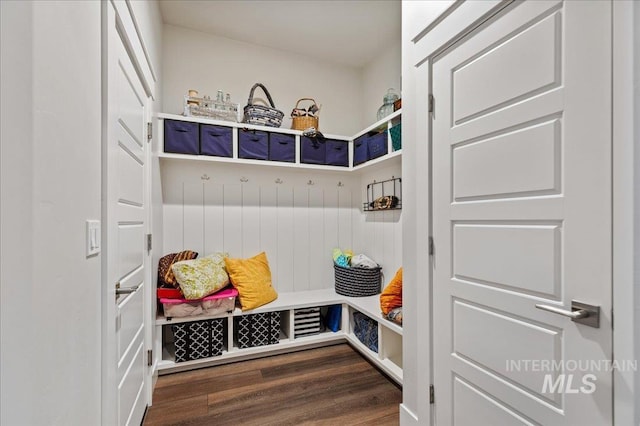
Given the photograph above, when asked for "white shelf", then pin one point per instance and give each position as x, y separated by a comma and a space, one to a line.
236, 125
245, 162
379, 124
369, 165
284, 302
389, 359
167, 365
370, 306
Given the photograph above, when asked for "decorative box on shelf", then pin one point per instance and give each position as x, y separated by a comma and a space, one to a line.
306, 321
217, 109
198, 339
257, 329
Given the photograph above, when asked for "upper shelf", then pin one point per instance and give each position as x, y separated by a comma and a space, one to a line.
382, 125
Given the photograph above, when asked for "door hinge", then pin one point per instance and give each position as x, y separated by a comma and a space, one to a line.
150, 357
432, 247
149, 242
432, 104
432, 395
149, 131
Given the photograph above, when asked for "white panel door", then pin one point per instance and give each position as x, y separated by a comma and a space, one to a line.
522, 216
126, 218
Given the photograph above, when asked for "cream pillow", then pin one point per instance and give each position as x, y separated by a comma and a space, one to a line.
201, 277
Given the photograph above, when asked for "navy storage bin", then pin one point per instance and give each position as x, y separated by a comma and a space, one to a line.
377, 145
366, 330
337, 153
253, 144
312, 150
282, 147
360, 153
181, 137
216, 140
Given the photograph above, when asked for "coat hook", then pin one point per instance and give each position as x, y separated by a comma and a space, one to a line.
244, 179
205, 177
311, 182
279, 181
340, 184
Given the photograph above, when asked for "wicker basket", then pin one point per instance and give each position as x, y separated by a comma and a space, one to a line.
303, 122
357, 282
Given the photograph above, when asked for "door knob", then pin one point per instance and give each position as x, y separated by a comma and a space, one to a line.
582, 313
127, 290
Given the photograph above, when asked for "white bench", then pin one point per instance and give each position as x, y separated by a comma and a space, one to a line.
388, 358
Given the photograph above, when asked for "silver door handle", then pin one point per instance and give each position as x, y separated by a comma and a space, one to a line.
582, 313
127, 290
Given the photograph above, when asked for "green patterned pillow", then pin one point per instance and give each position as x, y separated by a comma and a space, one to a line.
201, 277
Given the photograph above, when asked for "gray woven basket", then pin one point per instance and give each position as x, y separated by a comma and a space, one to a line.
357, 282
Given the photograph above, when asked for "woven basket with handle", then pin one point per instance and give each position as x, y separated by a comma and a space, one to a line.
260, 114
302, 122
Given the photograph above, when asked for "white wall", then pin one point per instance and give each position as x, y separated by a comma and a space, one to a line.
378, 76
50, 185
16, 219
196, 60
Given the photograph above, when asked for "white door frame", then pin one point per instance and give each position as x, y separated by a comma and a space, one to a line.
456, 21
135, 47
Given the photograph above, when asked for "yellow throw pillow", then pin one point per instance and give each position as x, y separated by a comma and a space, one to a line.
252, 278
391, 296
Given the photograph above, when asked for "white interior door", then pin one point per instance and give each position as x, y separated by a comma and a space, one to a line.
126, 229
522, 216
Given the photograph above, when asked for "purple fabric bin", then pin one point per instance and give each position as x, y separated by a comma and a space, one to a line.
253, 144
216, 140
282, 147
337, 153
181, 137
360, 153
377, 145
312, 150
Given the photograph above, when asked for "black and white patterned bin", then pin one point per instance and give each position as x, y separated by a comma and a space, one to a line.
198, 339
257, 329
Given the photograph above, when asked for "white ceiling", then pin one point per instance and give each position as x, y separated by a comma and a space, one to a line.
349, 32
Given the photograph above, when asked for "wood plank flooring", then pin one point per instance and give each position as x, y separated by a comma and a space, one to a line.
331, 385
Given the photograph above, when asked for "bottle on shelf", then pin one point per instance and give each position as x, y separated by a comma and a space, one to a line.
387, 104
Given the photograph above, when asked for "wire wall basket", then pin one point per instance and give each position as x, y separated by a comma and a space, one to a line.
384, 195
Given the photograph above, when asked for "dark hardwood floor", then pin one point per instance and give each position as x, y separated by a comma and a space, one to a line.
331, 385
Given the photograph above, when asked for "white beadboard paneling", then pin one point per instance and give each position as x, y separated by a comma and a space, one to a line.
285, 238
345, 224
268, 230
193, 224
301, 254
250, 219
330, 234
213, 218
172, 220
232, 231
241, 210
316, 238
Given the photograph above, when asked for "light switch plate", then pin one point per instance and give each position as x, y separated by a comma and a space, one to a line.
93, 237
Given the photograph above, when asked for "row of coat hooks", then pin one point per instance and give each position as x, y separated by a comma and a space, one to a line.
279, 181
